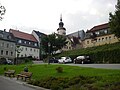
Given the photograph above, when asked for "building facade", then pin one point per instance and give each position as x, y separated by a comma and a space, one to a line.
26, 44
99, 35
7, 45
38, 35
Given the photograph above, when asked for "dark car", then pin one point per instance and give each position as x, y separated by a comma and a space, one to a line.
7, 61
53, 60
82, 59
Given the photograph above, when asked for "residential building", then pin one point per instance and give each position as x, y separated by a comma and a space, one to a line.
99, 35
28, 45
79, 34
38, 35
73, 43
7, 45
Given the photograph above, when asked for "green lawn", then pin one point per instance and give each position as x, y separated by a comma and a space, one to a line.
107, 77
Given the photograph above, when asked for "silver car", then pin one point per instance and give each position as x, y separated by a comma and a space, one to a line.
65, 60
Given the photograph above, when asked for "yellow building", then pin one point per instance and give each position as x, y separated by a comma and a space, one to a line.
99, 35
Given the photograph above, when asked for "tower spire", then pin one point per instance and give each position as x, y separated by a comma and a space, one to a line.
61, 17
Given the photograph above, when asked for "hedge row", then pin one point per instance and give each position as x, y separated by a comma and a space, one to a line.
100, 54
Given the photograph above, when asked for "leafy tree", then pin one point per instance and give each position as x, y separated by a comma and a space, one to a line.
53, 42
114, 20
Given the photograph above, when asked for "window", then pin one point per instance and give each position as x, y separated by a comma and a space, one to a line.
29, 42
12, 46
2, 44
7, 45
1, 52
87, 42
25, 42
1, 35
19, 41
34, 50
31, 49
97, 33
6, 52
109, 37
35, 44
105, 31
102, 39
106, 38
26, 49
11, 53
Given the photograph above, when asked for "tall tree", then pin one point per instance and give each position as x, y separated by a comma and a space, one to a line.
114, 20
53, 42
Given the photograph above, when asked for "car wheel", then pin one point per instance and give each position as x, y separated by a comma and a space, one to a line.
64, 62
82, 62
74, 62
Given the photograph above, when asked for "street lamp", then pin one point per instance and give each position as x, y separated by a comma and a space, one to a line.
49, 52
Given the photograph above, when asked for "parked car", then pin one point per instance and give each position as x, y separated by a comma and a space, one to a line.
6, 61
65, 60
82, 59
53, 60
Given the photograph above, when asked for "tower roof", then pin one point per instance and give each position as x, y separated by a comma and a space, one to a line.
61, 24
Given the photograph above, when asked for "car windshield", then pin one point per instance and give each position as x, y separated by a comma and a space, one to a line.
63, 57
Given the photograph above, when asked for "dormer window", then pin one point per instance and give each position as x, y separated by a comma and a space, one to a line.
105, 31
97, 33
1, 35
29, 42
25, 42
35, 44
19, 41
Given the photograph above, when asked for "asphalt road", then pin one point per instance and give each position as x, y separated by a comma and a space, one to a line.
105, 66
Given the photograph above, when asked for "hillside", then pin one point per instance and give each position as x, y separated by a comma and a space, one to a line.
100, 54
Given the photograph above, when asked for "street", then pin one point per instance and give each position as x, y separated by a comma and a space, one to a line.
105, 66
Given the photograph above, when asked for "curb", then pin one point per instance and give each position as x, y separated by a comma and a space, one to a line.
35, 87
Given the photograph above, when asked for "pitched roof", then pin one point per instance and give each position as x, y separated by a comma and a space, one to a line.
22, 35
99, 27
39, 33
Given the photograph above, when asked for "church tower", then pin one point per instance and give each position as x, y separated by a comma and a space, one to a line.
61, 30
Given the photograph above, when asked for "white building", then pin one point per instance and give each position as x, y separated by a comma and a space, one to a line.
27, 45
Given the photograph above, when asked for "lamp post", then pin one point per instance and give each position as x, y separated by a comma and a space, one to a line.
18, 51
49, 52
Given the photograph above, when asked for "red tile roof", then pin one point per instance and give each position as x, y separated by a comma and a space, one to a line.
22, 35
99, 27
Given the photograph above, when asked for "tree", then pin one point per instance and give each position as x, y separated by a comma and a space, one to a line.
53, 42
2, 11
114, 21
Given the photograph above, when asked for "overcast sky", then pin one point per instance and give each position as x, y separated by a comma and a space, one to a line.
44, 15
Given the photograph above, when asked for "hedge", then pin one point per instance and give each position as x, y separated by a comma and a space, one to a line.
100, 54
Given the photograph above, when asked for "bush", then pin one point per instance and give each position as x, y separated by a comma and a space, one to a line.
59, 69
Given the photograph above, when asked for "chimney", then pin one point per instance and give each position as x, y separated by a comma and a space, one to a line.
4, 30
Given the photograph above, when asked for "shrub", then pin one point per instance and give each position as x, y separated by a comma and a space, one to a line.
59, 69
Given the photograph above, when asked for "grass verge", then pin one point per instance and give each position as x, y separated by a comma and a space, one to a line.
72, 77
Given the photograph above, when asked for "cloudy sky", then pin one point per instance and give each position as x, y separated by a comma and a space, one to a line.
44, 15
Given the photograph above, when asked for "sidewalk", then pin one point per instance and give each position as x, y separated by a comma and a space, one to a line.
7, 83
